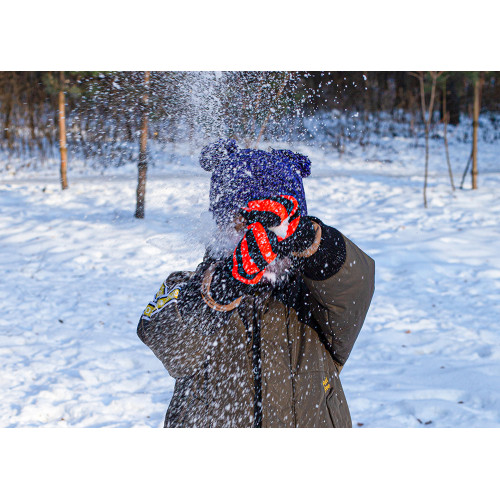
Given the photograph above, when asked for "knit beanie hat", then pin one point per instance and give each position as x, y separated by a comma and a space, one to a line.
241, 175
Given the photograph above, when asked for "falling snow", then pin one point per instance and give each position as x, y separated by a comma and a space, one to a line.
78, 270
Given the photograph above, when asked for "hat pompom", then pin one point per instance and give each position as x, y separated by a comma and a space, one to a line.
301, 162
304, 164
214, 154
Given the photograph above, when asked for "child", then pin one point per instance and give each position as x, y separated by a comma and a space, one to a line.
257, 335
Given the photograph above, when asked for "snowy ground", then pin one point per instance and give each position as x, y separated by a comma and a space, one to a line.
77, 270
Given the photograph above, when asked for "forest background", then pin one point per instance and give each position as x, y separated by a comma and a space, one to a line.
108, 118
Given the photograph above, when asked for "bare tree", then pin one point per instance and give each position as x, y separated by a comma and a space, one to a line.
427, 116
62, 133
288, 75
466, 170
478, 85
143, 161
251, 129
446, 118
8, 105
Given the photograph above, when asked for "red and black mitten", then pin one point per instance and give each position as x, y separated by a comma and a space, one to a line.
257, 249
245, 267
274, 212
295, 233
275, 228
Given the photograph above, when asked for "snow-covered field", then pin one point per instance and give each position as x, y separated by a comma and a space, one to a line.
77, 269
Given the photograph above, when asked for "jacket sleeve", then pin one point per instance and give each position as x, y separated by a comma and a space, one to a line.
341, 280
175, 325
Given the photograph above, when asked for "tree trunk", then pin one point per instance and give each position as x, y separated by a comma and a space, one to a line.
255, 111
427, 117
143, 162
31, 107
6, 131
62, 134
8, 112
446, 116
420, 76
426, 173
278, 95
400, 78
453, 101
475, 123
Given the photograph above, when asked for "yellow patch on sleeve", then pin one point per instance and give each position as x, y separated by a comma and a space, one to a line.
162, 298
148, 311
161, 291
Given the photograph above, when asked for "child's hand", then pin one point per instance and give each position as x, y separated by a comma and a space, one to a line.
278, 213
257, 249
275, 228
281, 215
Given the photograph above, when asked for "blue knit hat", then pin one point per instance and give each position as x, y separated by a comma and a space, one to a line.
241, 175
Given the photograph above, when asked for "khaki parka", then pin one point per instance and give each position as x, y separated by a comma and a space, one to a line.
271, 360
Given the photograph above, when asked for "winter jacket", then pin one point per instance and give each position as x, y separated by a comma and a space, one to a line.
271, 358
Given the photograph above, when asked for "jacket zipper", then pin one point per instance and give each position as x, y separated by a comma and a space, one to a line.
290, 357
257, 368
